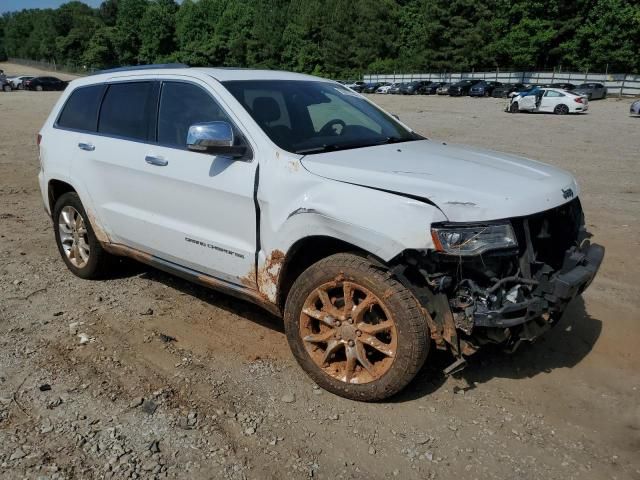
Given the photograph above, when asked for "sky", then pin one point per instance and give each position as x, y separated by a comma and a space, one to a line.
11, 5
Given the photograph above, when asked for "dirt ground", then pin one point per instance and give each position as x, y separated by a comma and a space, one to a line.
147, 376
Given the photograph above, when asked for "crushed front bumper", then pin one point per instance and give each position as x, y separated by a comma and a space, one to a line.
552, 292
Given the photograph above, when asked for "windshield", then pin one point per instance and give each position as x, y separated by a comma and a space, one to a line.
307, 117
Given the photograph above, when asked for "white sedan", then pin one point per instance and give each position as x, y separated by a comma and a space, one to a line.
385, 88
552, 100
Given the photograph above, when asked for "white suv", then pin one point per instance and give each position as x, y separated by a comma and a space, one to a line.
296, 193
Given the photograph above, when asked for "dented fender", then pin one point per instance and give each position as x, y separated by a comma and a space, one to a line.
295, 204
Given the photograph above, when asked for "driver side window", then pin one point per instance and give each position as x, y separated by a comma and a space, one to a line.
182, 105
322, 113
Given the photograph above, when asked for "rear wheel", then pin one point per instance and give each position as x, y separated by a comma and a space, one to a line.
39, 88
514, 108
354, 329
561, 109
77, 243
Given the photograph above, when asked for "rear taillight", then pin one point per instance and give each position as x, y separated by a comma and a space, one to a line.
578, 100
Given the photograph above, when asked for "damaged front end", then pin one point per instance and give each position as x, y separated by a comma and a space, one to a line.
501, 282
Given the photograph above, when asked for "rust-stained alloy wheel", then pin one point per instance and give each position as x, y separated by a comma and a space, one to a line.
354, 328
348, 332
77, 243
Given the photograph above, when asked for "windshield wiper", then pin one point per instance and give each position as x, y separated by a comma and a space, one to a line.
347, 146
334, 148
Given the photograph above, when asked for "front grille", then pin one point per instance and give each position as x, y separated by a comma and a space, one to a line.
552, 232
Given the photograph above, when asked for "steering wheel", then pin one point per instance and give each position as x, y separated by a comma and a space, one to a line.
328, 128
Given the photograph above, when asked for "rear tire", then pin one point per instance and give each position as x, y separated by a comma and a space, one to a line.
77, 243
367, 353
561, 109
39, 88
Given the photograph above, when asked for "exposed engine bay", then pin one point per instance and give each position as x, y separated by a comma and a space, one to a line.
508, 295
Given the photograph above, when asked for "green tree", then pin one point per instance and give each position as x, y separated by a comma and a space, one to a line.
128, 26
157, 31
100, 51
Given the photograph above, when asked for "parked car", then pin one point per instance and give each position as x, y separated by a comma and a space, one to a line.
502, 91
373, 86
461, 88
443, 89
395, 89
483, 88
17, 83
563, 86
593, 91
45, 83
433, 87
437, 244
551, 100
414, 88
356, 86
635, 108
384, 89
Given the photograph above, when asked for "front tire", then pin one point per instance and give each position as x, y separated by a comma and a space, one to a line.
39, 88
561, 109
354, 329
77, 243
7, 87
514, 108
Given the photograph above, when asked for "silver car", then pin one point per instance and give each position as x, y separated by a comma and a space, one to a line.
635, 108
592, 91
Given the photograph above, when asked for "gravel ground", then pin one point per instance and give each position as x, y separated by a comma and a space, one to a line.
147, 376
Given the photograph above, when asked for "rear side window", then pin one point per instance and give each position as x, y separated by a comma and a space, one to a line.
128, 110
81, 110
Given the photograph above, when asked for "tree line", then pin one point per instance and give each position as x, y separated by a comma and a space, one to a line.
337, 38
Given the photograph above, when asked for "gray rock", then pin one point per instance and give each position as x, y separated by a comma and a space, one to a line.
150, 465
149, 407
136, 402
288, 398
17, 455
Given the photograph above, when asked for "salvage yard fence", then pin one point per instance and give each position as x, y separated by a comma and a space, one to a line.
616, 83
74, 68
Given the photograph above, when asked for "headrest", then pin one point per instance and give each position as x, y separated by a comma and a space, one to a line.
266, 109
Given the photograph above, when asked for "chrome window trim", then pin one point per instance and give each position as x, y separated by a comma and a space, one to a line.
250, 148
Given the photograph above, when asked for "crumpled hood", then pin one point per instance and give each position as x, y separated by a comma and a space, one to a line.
467, 184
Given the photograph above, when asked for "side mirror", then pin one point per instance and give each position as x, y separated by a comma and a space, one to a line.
395, 115
216, 138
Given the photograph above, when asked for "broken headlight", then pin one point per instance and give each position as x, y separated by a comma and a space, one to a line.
473, 240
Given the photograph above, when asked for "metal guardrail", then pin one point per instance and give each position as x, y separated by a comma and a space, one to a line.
616, 83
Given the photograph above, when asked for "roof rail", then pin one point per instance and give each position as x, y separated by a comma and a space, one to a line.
141, 67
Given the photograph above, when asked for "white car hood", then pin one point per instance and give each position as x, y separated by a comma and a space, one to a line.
467, 184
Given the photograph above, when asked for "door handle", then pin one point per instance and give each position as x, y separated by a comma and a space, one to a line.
86, 146
157, 161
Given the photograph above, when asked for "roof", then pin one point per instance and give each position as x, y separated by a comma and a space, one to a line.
225, 74
219, 73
